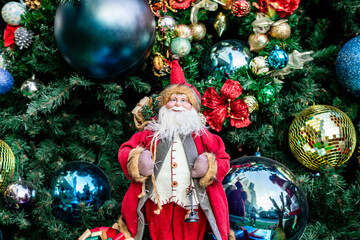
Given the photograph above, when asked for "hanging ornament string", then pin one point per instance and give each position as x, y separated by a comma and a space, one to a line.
210, 5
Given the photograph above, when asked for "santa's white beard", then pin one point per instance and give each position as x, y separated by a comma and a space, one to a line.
171, 123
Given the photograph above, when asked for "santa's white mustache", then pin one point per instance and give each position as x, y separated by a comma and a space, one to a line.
178, 108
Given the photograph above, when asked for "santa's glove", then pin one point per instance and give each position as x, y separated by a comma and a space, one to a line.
201, 166
146, 164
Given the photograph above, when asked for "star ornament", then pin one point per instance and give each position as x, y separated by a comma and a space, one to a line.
226, 106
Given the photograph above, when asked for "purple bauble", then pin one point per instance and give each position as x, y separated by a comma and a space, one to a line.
19, 195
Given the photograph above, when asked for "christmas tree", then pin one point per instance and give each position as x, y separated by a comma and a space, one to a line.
60, 105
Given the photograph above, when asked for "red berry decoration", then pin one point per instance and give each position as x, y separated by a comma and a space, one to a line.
240, 8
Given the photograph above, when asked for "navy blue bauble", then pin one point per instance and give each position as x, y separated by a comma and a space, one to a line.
278, 58
78, 182
105, 38
6, 81
348, 66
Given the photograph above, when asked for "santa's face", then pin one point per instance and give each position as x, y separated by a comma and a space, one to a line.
177, 102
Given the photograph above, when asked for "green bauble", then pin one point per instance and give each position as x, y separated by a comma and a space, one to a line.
180, 46
266, 95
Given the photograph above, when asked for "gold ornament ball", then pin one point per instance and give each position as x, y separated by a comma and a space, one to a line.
184, 31
252, 103
7, 164
280, 30
198, 30
322, 135
258, 42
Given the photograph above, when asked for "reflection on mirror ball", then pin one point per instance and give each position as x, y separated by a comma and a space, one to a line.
265, 200
76, 183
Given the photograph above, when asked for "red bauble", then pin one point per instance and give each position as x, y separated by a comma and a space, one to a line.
240, 8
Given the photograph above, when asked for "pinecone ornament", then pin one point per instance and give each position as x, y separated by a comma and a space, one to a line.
23, 37
33, 4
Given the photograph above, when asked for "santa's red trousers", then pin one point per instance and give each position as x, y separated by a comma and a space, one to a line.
170, 224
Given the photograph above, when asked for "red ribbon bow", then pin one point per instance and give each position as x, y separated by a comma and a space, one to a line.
226, 106
9, 35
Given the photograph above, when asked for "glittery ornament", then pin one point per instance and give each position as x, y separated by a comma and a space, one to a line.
30, 87
180, 46
258, 42
278, 58
33, 4
12, 12
158, 63
226, 56
266, 95
19, 195
74, 183
259, 66
227, 4
220, 23
23, 37
348, 66
322, 135
184, 31
265, 199
280, 30
7, 164
198, 30
6, 81
167, 23
252, 103
240, 8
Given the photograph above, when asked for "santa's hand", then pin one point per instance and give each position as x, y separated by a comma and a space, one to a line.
146, 164
201, 166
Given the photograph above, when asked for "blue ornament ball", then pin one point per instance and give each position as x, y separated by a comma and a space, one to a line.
264, 196
6, 81
105, 39
75, 183
348, 66
278, 58
226, 56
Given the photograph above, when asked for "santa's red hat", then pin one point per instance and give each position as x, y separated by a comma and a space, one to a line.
178, 85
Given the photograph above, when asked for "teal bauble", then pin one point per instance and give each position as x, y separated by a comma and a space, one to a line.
180, 46
266, 95
278, 58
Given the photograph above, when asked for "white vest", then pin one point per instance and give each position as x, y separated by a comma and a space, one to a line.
174, 177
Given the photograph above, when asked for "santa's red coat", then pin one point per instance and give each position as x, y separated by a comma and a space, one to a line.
206, 142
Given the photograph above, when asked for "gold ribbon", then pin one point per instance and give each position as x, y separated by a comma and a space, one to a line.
296, 61
262, 23
210, 5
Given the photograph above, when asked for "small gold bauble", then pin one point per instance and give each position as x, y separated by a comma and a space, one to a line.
228, 4
252, 103
7, 163
198, 30
184, 31
158, 63
280, 30
258, 42
322, 135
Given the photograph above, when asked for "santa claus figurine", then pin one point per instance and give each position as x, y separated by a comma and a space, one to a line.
176, 166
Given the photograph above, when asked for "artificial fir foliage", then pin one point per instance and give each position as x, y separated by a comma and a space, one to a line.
75, 118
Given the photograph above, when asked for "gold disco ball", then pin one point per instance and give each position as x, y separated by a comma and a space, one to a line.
322, 135
7, 164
